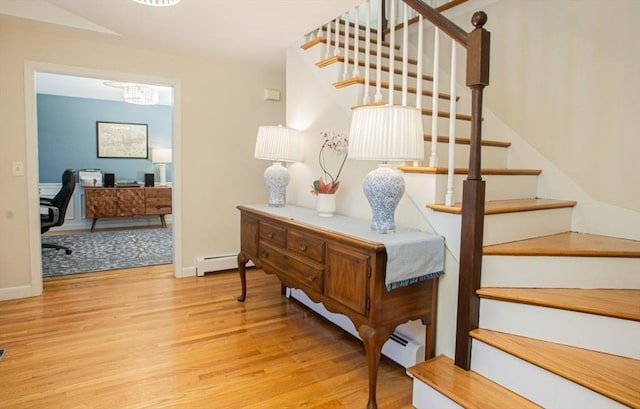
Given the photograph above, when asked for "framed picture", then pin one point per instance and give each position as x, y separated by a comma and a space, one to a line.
122, 140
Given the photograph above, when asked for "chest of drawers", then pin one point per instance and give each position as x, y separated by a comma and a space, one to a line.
345, 273
100, 202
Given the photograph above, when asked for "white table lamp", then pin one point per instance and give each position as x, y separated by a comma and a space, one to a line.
385, 133
161, 157
278, 144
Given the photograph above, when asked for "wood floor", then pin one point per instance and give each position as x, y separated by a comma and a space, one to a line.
139, 338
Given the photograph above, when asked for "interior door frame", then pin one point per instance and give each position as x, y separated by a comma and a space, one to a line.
30, 70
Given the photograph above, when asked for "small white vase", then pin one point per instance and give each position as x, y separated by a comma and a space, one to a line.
326, 204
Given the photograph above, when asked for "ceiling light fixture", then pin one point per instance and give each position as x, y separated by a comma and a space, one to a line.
158, 3
140, 95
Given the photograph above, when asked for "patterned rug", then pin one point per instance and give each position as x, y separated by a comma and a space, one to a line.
111, 250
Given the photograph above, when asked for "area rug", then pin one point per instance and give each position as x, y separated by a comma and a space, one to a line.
111, 250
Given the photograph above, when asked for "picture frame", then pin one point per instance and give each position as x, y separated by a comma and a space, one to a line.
122, 140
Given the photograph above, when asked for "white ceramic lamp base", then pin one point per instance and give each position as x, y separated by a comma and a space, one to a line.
383, 188
276, 178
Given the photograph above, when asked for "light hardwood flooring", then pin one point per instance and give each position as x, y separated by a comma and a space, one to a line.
140, 338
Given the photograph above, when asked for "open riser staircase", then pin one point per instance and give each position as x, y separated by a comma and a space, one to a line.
559, 322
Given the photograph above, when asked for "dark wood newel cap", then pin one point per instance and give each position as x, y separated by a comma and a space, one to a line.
479, 19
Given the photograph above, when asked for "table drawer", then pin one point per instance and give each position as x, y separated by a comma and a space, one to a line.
273, 233
152, 192
306, 275
158, 205
305, 245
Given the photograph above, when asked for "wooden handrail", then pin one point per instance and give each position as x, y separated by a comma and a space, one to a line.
444, 24
477, 44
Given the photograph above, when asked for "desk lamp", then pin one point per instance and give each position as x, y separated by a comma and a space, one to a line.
278, 144
385, 133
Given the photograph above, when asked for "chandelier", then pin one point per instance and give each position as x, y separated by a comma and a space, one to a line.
158, 3
140, 95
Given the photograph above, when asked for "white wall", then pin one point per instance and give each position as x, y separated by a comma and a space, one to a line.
221, 107
564, 77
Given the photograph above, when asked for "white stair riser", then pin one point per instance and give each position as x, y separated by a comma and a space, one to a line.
492, 157
562, 327
560, 272
506, 227
498, 187
425, 397
534, 383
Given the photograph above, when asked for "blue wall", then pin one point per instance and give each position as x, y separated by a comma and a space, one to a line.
67, 136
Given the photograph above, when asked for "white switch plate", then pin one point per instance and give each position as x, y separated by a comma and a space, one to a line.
17, 168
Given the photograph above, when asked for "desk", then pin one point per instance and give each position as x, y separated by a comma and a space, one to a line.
345, 272
102, 202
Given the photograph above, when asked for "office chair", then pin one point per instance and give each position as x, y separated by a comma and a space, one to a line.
57, 208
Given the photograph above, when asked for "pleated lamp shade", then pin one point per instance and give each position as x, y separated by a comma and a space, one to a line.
386, 133
278, 143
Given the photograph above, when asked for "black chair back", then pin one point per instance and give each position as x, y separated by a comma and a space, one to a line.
63, 197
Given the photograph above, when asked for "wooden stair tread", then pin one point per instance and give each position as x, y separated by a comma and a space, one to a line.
467, 141
467, 388
441, 170
568, 244
384, 54
616, 303
385, 69
613, 376
508, 206
385, 85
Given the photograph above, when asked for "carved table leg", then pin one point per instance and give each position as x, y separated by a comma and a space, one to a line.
242, 269
374, 339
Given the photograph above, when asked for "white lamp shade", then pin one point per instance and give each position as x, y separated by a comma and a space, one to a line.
386, 133
161, 155
278, 143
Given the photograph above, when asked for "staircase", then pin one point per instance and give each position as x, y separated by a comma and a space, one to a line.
559, 310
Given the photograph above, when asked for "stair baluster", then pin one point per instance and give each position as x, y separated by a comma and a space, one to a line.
356, 43
345, 68
452, 125
367, 57
378, 96
433, 159
392, 51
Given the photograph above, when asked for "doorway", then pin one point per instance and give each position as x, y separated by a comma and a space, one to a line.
32, 70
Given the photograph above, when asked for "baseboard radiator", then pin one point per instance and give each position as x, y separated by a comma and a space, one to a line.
399, 348
208, 264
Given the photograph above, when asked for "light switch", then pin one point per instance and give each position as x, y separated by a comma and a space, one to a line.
17, 168
271, 95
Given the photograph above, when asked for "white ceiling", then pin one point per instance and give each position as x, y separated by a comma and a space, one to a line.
254, 31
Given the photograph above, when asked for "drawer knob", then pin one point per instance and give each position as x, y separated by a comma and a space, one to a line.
311, 278
302, 247
264, 254
270, 234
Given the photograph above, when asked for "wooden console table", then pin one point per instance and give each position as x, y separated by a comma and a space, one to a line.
102, 202
332, 263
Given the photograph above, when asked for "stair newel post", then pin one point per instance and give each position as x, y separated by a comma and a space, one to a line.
367, 50
345, 72
478, 42
392, 50
452, 125
433, 159
378, 96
